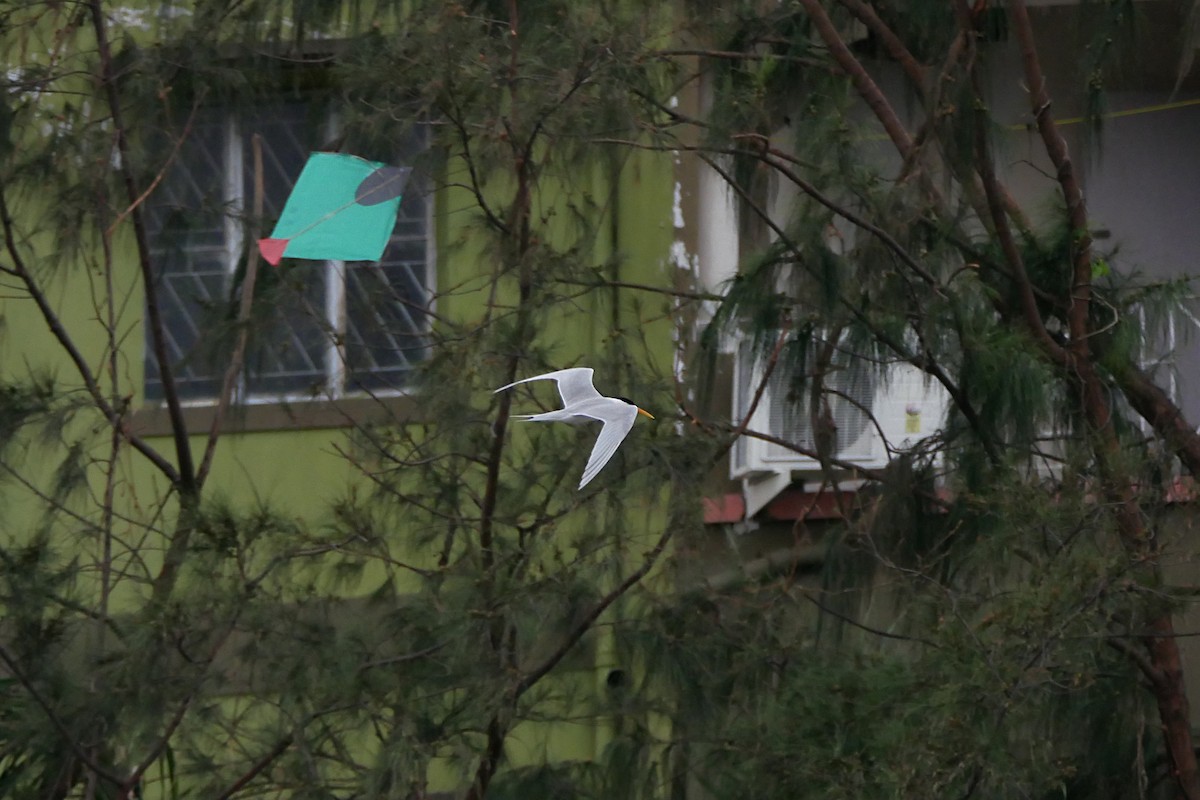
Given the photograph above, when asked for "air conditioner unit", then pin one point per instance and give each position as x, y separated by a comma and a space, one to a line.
869, 416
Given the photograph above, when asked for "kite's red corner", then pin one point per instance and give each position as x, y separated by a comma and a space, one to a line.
272, 249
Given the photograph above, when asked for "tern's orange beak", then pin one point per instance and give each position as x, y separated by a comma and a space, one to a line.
646, 413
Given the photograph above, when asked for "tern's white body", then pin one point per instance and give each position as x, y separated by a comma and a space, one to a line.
581, 403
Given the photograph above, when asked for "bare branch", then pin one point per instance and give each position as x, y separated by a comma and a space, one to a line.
243, 318
1152, 673
760, 390
809, 595
186, 477
1056, 149
1164, 415
863, 82
641, 287
162, 172
891, 42
585, 623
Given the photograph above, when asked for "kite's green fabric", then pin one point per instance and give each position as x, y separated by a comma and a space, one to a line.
342, 208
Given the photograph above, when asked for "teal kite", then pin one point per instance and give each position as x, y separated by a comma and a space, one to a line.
342, 208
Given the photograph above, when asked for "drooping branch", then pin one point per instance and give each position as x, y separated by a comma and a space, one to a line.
115, 416
782, 162
775, 159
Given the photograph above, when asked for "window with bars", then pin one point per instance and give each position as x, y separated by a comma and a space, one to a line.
319, 329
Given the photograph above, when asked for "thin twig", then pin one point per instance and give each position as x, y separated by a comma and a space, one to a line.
258, 767
585, 624
158, 178
234, 370
768, 370
808, 595
114, 416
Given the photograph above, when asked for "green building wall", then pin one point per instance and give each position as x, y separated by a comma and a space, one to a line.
290, 456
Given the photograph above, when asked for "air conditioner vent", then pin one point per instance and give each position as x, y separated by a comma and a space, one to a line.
873, 414
849, 392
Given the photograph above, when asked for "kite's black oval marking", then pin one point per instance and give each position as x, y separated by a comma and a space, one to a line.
385, 183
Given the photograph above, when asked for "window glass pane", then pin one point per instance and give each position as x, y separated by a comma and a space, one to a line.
385, 306
197, 220
386, 323
288, 134
185, 224
286, 354
290, 334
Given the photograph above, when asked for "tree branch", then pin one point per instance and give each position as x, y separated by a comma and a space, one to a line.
59, 331
243, 318
186, 479
1031, 315
760, 390
258, 767
58, 724
585, 624
1164, 415
1170, 691
1140, 659
1056, 149
892, 43
866, 86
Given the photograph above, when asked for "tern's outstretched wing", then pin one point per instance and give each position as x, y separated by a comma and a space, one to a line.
618, 421
574, 384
